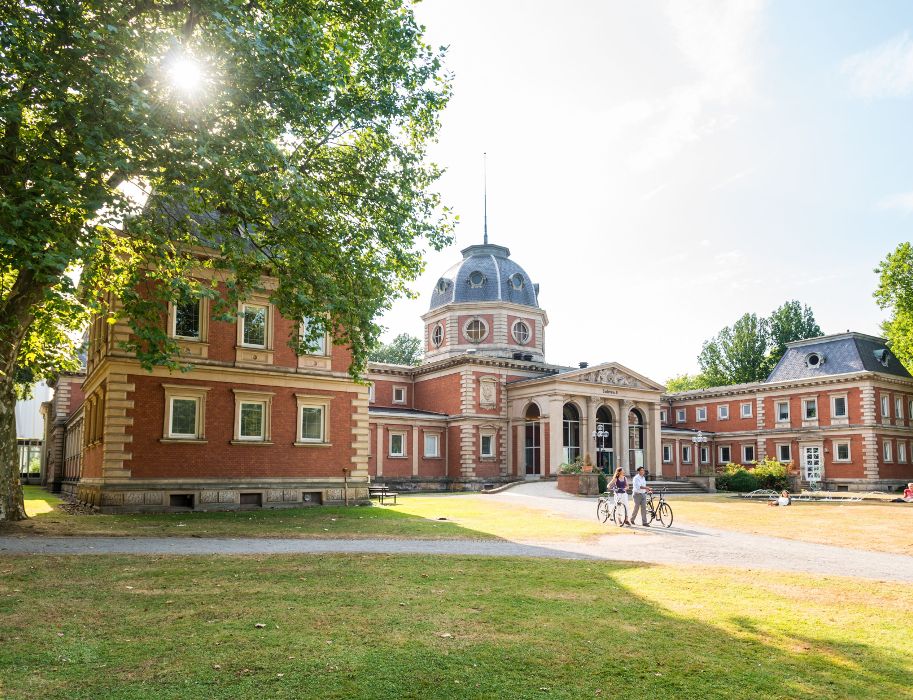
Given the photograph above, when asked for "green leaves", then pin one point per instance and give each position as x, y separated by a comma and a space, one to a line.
302, 156
895, 293
404, 349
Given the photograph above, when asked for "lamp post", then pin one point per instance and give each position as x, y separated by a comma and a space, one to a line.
598, 435
699, 440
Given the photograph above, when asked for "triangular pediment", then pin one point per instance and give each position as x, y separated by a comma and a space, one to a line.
612, 374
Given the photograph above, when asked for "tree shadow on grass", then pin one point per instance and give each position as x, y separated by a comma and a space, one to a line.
413, 627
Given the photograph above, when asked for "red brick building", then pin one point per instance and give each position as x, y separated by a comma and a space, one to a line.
252, 424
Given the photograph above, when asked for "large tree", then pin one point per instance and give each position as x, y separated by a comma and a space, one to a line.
404, 349
895, 293
748, 350
792, 321
285, 138
736, 355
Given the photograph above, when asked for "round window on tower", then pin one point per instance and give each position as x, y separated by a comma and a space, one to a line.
521, 332
476, 330
437, 335
516, 281
476, 279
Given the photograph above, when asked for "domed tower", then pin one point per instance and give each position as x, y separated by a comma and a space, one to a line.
485, 304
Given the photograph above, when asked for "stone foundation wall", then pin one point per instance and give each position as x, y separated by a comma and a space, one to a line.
154, 498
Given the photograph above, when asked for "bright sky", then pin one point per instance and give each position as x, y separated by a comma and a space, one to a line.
660, 168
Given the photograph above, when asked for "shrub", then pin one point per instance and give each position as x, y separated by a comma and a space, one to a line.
769, 474
603, 483
575, 467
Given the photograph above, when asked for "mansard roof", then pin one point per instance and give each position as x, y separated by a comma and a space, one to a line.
843, 353
486, 273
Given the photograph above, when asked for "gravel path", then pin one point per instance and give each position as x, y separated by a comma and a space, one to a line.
683, 545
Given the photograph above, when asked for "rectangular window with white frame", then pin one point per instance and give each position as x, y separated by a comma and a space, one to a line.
313, 337
686, 454
313, 419
782, 411
724, 454
185, 413
253, 325
667, 454
187, 320
885, 407
838, 407
397, 444
252, 417
370, 392
784, 453
910, 408
432, 444
680, 415
487, 445
810, 409
662, 416
701, 413
841, 451
898, 408
747, 410
887, 451
705, 455
184, 417
722, 412
902, 451
399, 394
748, 454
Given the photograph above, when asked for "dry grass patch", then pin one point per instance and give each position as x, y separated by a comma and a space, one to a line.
884, 527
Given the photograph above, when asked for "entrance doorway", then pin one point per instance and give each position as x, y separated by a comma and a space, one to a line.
811, 463
605, 450
532, 450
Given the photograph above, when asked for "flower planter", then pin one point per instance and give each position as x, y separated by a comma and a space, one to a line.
579, 484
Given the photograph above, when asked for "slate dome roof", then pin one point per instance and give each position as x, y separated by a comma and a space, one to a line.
486, 273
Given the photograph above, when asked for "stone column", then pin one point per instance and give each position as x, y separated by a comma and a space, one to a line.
624, 408
555, 419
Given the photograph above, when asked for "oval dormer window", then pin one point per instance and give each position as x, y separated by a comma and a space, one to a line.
516, 281
443, 285
814, 360
476, 279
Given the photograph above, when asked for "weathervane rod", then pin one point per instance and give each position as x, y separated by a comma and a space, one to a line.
485, 194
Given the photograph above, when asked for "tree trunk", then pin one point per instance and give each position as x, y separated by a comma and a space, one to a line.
12, 506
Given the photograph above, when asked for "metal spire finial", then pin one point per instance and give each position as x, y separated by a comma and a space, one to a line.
485, 195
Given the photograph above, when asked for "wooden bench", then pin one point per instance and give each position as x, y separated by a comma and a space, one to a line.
382, 493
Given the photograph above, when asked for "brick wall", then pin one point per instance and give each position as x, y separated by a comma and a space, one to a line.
218, 458
440, 394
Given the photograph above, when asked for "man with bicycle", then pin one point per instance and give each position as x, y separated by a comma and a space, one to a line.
640, 490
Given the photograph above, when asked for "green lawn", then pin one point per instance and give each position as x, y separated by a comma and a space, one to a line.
421, 517
441, 627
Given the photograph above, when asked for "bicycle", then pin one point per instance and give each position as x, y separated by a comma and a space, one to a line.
661, 511
613, 508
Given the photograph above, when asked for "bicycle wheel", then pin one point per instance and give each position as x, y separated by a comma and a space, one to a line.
619, 514
664, 513
602, 510
651, 511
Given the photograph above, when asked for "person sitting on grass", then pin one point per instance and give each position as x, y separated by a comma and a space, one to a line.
907, 495
782, 500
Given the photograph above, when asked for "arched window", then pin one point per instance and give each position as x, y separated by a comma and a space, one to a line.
531, 451
571, 433
635, 439
605, 443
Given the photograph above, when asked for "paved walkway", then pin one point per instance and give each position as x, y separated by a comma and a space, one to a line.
684, 545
